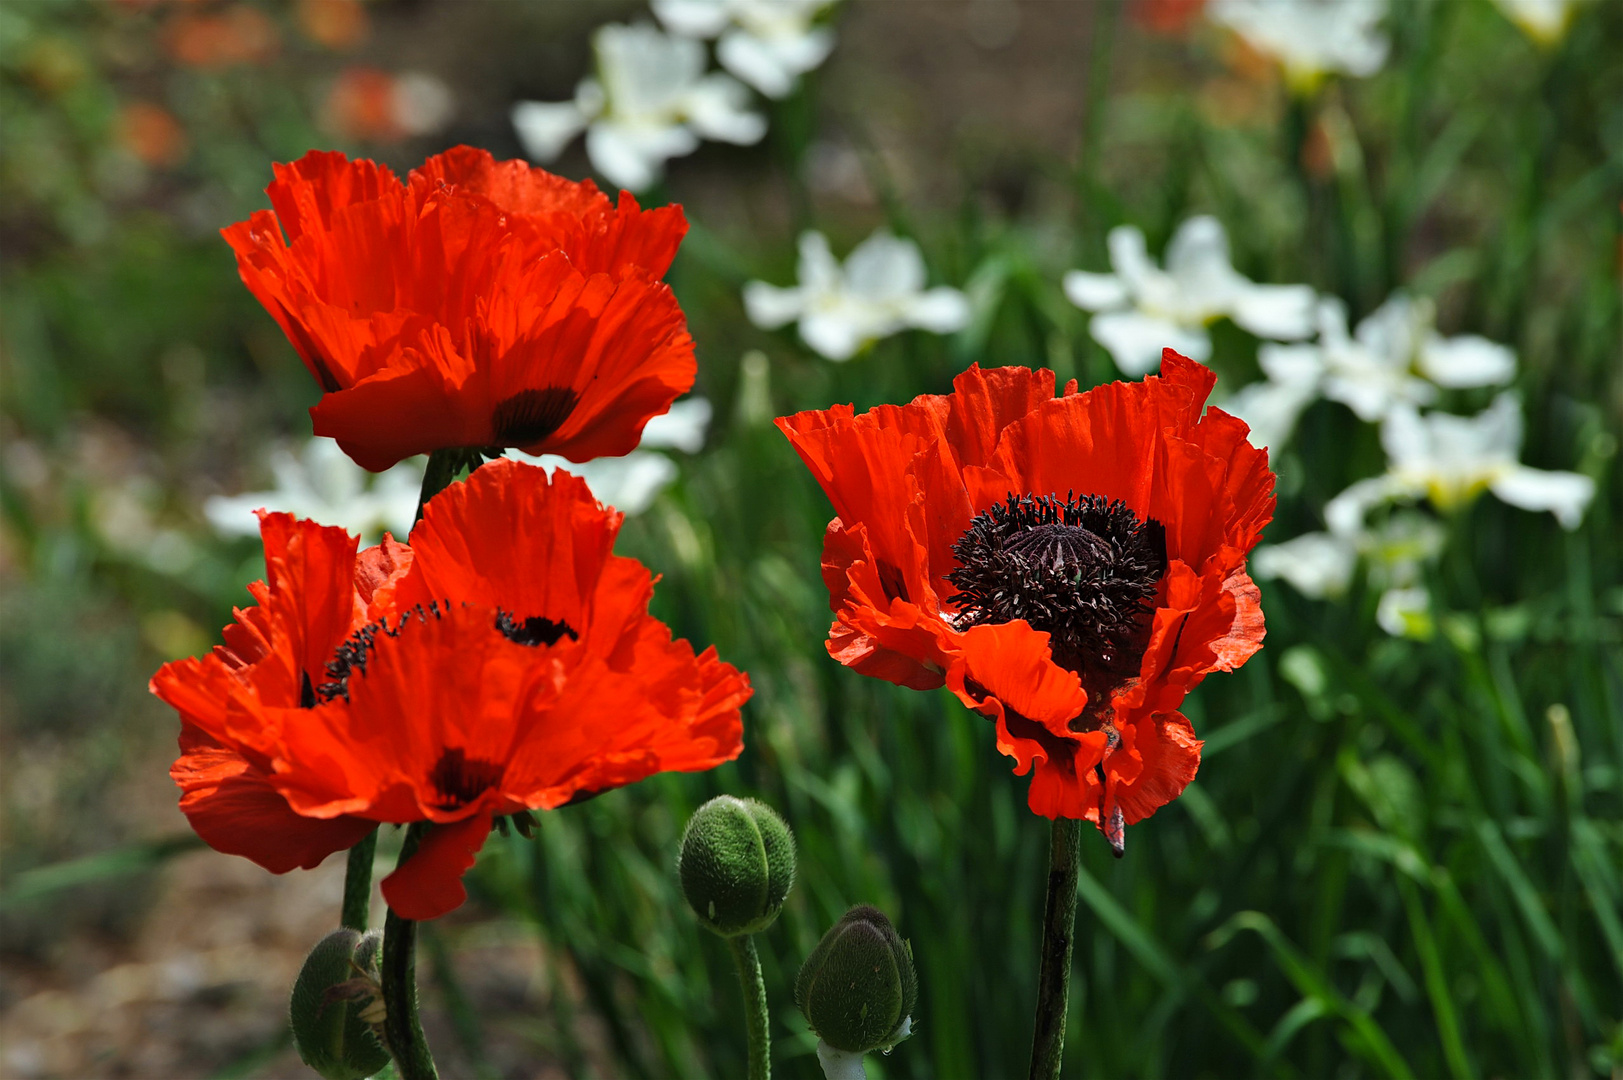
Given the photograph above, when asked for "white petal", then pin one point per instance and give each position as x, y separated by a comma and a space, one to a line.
831, 336
1270, 409
1466, 361
1406, 438
682, 428
884, 267
1292, 365
818, 270
1198, 261
770, 307
627, 483
1094, 292
545, 128
756, 62
634, 158
1345, 513
1129, 256
692, 18
234, 515
1284, 312
1315, 564
1135, 340
646, 72
1405, 612
941, 310
1564, 494
718, 108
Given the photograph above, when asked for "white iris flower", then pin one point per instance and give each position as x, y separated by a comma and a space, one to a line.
769, 44
320, 483
1141, 309
1452, 459
1545, 21
1310, 38
842, 309
1321, 564
630, 483
1396, 357
649, 102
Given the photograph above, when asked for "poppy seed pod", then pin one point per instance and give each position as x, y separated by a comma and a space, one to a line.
858, 988
329, 1007
737, 865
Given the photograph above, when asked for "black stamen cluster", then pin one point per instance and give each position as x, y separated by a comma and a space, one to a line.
351, 655
1085, 570
534, 631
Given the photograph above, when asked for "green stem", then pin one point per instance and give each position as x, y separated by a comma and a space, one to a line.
1059, 922
757, 1019
402, 1028
443, 465
358, 883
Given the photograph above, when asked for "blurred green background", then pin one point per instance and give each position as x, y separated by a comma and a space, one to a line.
1401, 857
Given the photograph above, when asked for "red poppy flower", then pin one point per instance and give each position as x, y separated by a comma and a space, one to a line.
505, 662
1068, 566
480, 303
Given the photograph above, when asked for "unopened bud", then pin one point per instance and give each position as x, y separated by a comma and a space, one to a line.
737, 865
858, 988
336, 1003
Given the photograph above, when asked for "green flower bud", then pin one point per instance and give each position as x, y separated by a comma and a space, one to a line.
858, 988
336, 1003
737, 865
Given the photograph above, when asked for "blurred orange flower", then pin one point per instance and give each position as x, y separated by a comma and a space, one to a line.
1166, 16
238, 35
370, 105
151, 134
337, 24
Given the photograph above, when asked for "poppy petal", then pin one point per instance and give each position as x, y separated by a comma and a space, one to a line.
429, 884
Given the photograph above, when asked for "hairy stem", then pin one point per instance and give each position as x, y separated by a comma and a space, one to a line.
358, 884
757, 1018
443, 465
400, 1023
1059, 921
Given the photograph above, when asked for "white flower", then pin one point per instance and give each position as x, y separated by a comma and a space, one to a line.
629, 483
1406, 612
878, 292
767, 43
1320, 564
1310, 38
651, 101
1545, 21
1141, 309
1396, 357
320, 483
1452, 459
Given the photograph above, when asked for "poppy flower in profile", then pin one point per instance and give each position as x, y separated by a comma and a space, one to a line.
1069, 566
476, 304
505, 662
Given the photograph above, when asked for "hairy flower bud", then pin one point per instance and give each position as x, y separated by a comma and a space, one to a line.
858, 988
336, 1003
737, 865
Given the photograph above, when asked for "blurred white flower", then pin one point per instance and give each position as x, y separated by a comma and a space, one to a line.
841, 309
769, 44
630, 483
1310, 38
1406, 613
649, 102
1320, 564
1545, 21
1140, 309
321, 483
1396, 357
1452, 459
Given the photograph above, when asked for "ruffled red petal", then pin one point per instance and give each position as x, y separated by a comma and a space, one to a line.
429, 884
233, 807
905, 483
